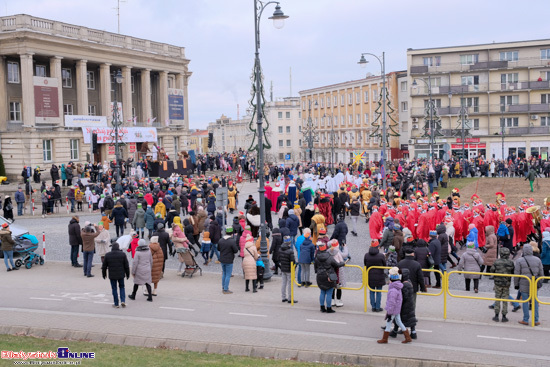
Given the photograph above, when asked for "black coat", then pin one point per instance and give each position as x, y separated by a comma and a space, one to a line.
435, 249
324, 265
444, 241
276, 242
415, 272
117, 263
376, 276
74, 233
215, 231
340, 232
164, 241
408, 315
421, 253
118, 215
188, 230
286, 256
228, 248
54, 173
509, 242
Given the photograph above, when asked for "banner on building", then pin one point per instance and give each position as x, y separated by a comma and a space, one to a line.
46, 100
119, 111
83, 121
106, 135
175, 104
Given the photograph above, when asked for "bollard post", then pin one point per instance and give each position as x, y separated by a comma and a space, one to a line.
445, 290
533, 299
67, 204
365, 286
32, 200
44, 245
292, 271
89, 207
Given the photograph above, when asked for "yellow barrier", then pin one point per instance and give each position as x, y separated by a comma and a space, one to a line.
534, 291
293, 280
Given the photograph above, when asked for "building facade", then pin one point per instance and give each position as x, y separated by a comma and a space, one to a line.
198, 141
57, 85
342, 116
502, 89
285, 131
230, 135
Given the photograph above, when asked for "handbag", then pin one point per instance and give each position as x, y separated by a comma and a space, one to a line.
332, 277
539, 284
431, 261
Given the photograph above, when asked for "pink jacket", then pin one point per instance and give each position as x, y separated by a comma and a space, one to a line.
242, 241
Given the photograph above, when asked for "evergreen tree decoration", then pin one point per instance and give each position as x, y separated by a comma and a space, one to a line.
252, 125
467, 126
391, 127
436, 121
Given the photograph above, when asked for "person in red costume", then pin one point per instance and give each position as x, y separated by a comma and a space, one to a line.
458, 223
376, 224
423, 228
545, 221
412, 220
325, 208
432, 216
478, 222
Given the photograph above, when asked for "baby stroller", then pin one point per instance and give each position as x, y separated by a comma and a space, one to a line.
186, 257
26, 246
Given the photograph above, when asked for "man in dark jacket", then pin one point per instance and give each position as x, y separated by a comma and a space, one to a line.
292, 223
508, 241
228, 248
108, 204
118, 215
286, 258
376, 277
307, 254
75, 240
215, 236
444, 241
340, 231
164, 242
435, 249
415, 271
117, 263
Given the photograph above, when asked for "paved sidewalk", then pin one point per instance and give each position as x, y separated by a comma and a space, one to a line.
57, 301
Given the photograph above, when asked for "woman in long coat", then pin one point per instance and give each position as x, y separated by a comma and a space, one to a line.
491, 245
471, 261
141, 269
158, 262
249, 264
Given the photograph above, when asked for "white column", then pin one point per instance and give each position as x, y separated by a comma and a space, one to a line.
3, 93
179, 80
163, 97
55, 72
105, 90
27, 88
127, 94
81, 87
146, 94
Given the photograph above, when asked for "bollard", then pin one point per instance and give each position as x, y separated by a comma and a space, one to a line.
32, 206
89, 207
67, 204
44, 245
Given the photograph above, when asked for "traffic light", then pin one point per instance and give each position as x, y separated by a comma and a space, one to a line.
210, 139
94, 143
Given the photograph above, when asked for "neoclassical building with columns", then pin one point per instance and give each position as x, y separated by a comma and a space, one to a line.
57, 85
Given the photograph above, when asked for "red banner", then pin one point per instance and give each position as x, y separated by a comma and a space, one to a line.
470, 146
111, 150
132, 147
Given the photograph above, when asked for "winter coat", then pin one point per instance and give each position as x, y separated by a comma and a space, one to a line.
398, 239
164, 241
211, 206
394, 298
491, 245
189, 230
376, 277
340, 232
286, 257
75, 238
387, 238
118, 215
444, 242
160, 208
242, 241
471, 260
325, 265
421, 253
7, 241
142, 265
227, 248
355, 209
139, 218
102, 242
473, 236
215, 232
435, 249
276, 242
307, 252
149, 219
158, 262
408, 314
415, 274
529, 266
54, 173
88, 240
292, 223
545, 253
117, 263
249, 261
201, 217
132, 208
503, 266
176, 204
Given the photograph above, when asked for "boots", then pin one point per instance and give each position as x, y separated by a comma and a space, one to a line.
323, 309
393, 333
407, 337
384, 339
330, 310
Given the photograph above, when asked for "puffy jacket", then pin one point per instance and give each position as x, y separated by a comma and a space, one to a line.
228, 248
355, 209
472, 237
118, 215
117, 263
527, 265
188, 230
276, 242
471, 260
435, 249
387, 238
292, 223
149, 219
215, 232
7, 240
307, 252
491, 245
340, 232
164, 241
408, 315
414, 270
286, 256
324, 266
19, 196
139, 218
394, 298
376, 277
75, 238
444, 241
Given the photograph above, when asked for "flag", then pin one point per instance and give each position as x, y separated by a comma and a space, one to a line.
382, 161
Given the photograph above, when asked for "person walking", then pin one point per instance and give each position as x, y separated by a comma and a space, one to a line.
394, 303
275, 249
88, 235
119, 216
531, 176
416, 276
117, 263
7, 246
102, 241
158, 262
228, 248
472, 261
354, 210
75, 240
435, 249
408, 306
306, 257
503, 265
376, 277
138, 223
325, 267
164, 243
286, 258
530, 266
249, 264
142, 267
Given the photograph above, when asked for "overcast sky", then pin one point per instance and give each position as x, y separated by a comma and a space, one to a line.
321, 41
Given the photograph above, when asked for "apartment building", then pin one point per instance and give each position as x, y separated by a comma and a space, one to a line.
198, 141
342, 115
502, 87
57, 85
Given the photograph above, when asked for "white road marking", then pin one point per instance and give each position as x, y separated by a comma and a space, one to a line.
178, 309
424, 331
46, 299
246, 314
103, 303
498, 338
328, 322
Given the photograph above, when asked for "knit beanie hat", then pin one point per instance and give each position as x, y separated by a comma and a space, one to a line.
433, 233
322, 245
286, 239
374, 243
394, 273
471, 245
141, 243
392, 249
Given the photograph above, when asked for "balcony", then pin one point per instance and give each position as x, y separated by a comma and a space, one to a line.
481, 65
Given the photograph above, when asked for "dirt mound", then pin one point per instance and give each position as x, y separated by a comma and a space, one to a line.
515, 189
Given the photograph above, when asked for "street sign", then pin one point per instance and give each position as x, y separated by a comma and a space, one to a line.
221, 196
287, 157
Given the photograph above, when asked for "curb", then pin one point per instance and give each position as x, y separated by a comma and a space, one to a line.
231, 349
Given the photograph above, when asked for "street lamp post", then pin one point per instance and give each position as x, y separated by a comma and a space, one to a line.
332, 144
431, 108
363, 62
278, 18
116, 124
310, 133
502, 109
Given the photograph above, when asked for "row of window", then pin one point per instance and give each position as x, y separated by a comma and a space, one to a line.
471, 59
47, 149
321, 101
280, 114
66, 76
287, 129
